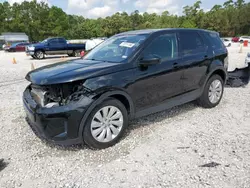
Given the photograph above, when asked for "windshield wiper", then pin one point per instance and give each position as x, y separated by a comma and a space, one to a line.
96, 60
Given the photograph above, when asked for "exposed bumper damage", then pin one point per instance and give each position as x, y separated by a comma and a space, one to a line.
239, 77
56, 119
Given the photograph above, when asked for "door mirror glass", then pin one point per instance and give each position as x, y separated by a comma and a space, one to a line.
150, 60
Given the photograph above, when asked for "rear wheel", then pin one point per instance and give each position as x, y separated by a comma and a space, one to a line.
39, 54
106, 124
75, 54
212, 93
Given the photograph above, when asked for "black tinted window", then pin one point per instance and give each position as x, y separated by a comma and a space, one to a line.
53, 41
215, 40
164, 46
191, 43
61, 41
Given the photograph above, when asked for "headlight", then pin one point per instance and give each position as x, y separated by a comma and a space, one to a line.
39, 96
31, 48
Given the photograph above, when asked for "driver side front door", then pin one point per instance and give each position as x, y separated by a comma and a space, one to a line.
157, 83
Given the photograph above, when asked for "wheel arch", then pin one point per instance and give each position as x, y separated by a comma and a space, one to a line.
120, 95
220, 70
39, 49
221, 73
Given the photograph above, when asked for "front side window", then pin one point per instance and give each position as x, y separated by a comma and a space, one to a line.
164, 47
116, 49
191, 43
54, 41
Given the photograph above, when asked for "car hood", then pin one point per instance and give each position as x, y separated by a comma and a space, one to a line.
73, 70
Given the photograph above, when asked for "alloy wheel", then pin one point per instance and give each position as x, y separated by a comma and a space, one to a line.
106, 124
40, 55
215, 91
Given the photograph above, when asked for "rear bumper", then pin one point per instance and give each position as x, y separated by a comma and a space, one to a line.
58, 125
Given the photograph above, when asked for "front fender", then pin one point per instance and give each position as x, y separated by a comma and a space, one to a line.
99, 99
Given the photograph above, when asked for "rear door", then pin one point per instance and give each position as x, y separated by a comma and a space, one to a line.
63, 45
195, 59
55, 46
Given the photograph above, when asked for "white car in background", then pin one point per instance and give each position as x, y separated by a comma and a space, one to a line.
244, 38
227, 42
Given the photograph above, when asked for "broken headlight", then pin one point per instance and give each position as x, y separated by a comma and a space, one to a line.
58, 95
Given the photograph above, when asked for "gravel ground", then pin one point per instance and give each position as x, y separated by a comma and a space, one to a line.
186, 146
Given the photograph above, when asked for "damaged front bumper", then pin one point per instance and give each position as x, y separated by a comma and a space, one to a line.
30, 53
59, 125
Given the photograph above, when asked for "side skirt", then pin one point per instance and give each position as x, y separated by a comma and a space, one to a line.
170, 103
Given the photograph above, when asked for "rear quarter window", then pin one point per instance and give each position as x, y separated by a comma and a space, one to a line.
215, 41
61, 41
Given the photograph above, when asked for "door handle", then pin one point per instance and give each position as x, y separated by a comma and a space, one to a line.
175, 65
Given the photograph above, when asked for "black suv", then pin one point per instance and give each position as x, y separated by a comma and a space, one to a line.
130, 75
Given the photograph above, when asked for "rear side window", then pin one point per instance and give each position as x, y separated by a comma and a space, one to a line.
61, 41
164, 46
215, 40
53, 41
191, 43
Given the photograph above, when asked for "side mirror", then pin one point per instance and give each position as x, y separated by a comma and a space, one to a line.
150, 60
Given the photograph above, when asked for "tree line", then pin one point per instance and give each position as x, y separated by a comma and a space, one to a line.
40, 21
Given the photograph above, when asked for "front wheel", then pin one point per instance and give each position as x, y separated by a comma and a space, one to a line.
212, 93
106, 124
39, 54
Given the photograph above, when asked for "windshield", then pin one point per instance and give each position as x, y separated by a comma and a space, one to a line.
45, 41
117, 48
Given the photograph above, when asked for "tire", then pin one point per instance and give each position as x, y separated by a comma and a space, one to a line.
34, 57
40, 54
74, 54
205, 101
89, 130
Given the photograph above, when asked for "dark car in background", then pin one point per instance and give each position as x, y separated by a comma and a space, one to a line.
17, 47
130, 75
54, 46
